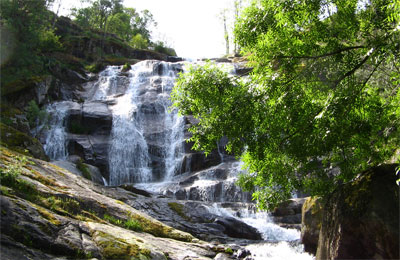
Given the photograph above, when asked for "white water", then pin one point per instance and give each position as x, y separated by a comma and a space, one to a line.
278, 251
141, 122
276, 245
55, 146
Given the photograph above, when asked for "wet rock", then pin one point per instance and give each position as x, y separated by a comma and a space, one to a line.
21, 142
311, 224
236, 228
96, 118
222, 256
361, 218
241, 253
66, 217
288, 212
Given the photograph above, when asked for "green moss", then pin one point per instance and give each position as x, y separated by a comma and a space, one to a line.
178, 208
34, 174
145, 252
21, 142
160, 230
116, 248
95, 67
10, 177
47, 215
126, 67
5, 191
228, 250
84, 170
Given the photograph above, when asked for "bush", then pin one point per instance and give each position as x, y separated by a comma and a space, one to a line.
161, 48
36, 116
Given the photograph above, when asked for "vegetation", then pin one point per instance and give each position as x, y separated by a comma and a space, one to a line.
27, 39
10, 177
36, 116
33, 46
84, 169
322, 102
111, 17
179, 209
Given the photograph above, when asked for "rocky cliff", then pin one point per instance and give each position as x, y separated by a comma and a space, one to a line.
48, 213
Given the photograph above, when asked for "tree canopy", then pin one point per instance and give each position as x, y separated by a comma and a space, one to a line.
26, 36
322, 102
112, 17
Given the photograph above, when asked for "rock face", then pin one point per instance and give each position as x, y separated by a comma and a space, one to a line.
86, 47
20, 141
361, 218
288, 213
238, 229
311, 224
50, 213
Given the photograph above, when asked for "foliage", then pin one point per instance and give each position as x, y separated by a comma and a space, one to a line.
27, 27
162, 48
139, 42
321, 105
10, 177
36, 116
130, 223
133, 224
126, 23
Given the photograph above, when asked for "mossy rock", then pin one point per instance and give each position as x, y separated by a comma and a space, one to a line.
311, 223
179, 209
159, 229
19, 85
21, 142
361, 218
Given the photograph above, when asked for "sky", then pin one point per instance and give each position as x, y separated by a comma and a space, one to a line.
191, 27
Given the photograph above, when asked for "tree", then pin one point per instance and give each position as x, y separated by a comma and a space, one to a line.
27, 27
237, 6
322, 102
110, 16
223, 16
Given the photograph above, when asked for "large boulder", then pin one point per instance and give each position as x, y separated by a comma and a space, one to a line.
238, 229
21, 142
311, 223
361, 218
288, 213
97, 117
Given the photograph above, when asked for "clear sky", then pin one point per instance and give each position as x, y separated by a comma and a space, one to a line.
192, 27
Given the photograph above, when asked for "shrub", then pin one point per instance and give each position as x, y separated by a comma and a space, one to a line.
36, 116
133, 224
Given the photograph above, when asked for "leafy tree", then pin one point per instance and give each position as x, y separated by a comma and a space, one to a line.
322, 103
110, 16
139, 42
27, 26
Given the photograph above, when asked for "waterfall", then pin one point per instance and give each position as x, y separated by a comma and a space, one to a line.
144, 145
146, 138
55, 145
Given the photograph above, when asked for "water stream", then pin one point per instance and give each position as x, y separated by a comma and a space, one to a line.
146, 147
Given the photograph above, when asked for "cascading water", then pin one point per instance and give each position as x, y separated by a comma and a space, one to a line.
279, 243
146, 139
146, 147
55, 145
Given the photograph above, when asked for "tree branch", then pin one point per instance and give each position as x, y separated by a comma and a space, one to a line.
324, 55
